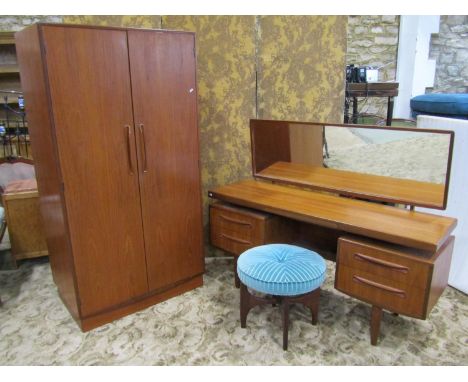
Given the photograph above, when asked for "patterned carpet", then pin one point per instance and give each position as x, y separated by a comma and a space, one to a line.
202, 328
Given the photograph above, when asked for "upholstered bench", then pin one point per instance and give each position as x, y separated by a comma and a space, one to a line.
287, 274
448, 105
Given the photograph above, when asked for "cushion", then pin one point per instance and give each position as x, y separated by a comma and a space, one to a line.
440, 104
281, 269
15, 171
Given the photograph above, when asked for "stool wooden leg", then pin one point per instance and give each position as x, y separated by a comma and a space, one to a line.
236, 276
310, 300
249, 301
285, 318
376, 317
314, 305
244, 305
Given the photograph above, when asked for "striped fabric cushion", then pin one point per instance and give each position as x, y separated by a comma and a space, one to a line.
281, 269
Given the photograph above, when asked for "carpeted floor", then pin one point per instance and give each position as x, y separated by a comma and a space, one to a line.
202, 328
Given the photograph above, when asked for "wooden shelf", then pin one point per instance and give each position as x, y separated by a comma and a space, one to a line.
9, 69
7, 38
372, 89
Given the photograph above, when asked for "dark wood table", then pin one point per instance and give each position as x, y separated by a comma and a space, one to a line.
371, 89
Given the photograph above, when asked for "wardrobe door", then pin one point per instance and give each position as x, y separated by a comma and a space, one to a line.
88, 73
162, 68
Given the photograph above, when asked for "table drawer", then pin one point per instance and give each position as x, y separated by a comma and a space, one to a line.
383, 262
236, 230
376, 290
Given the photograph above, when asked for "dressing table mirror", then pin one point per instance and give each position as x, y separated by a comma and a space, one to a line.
408, 166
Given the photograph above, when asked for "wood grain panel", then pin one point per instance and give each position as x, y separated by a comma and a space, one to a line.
440, 273
46, 163
379, 89
383, 262
413, 229
320, 239
269, 142
133, 306
165, 106
235, 230
383, 281
375, 187
380, 292
90, 89
25, 227
306, 144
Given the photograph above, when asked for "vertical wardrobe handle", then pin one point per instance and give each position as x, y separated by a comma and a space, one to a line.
142, 139
129, 148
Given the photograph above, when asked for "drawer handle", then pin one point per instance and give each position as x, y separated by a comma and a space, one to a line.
235, 239
399, 292
383, 263
240, 222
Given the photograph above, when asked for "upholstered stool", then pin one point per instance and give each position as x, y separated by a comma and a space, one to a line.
287, 274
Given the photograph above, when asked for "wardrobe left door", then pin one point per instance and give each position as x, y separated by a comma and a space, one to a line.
90, 94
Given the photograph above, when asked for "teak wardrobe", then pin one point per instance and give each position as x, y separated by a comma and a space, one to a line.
112, 115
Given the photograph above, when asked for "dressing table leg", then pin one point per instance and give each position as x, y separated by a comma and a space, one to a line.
376, 317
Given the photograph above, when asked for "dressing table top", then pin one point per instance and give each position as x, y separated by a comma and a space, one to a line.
395, 225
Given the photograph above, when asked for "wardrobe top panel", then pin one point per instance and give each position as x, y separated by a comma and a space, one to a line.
107, 27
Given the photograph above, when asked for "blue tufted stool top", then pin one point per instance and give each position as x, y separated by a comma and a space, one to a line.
281, 269
288, 273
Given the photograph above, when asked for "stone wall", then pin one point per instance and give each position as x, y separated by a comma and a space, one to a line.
373, 41
449, 48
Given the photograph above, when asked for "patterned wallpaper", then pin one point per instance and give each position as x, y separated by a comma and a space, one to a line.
116, 21
300, 62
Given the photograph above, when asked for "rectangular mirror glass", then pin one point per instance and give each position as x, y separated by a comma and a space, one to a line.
388, 164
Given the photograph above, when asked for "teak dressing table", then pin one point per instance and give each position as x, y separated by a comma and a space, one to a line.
386, 255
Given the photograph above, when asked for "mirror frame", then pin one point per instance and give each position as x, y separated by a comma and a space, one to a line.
282, 124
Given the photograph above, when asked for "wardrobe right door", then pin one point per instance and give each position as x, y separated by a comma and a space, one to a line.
162, 66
